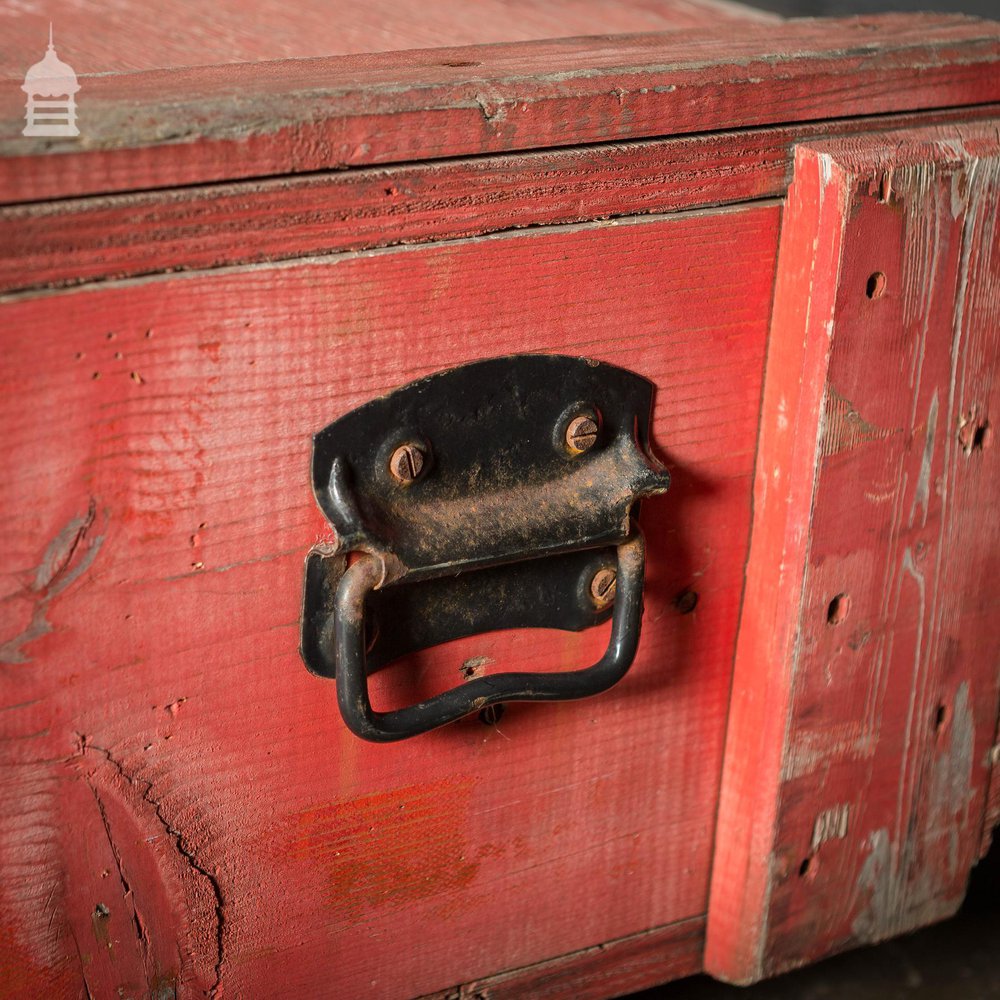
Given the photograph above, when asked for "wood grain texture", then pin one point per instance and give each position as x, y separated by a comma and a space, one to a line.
166, 756
76, 240
166, 34
164, 128
865, 694
611, 969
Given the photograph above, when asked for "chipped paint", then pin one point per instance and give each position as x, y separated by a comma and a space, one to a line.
831, 824
902, 888
844, 429
812, 750
874, 885
951, 792
921, 497
68, 556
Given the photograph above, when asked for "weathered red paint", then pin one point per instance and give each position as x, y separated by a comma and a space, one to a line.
865, 694
207, 124
145, 36
170, 658
76, 240
184, 810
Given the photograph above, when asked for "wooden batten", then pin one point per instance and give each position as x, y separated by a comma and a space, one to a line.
865, 689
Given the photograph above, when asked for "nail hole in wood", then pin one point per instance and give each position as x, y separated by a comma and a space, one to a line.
875, 286
807, 867
940, 717
974, 434
686, 601
838, 608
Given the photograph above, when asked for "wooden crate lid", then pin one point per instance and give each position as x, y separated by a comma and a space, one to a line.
130, 35
166, 127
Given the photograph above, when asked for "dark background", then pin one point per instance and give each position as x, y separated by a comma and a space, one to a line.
839, 8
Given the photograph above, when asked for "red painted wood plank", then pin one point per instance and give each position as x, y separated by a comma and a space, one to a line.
865, 693
166, 34
610, 969
165, 128
155, 518
73, 241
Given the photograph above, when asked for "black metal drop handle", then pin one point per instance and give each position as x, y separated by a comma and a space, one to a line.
363, 576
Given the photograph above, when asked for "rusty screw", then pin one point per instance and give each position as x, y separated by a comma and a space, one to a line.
407, 462
603, 586
581, 434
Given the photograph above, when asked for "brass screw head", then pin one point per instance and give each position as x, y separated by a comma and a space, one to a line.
603, 586
407, 462
581, 434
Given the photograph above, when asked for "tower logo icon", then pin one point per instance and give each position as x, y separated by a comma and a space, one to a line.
51, 86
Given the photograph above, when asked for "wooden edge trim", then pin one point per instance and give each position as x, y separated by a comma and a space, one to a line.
618, 967
167, 128
788, 449
73, 241
755, 851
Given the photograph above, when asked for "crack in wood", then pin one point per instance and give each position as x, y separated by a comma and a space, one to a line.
145, 790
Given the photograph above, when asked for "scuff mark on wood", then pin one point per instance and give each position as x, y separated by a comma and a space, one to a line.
844, 428
923, 491
951, 792
831, 824
68, 556
493, 107
875, 881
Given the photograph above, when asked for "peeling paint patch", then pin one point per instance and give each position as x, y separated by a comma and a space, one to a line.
831, 824
494, 108
923, 492
844, 428
951, 792
475, 666
68, 556
875, 882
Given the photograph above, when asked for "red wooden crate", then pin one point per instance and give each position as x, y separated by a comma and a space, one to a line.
789, 227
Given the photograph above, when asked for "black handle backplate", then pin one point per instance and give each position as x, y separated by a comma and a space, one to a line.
495, 495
